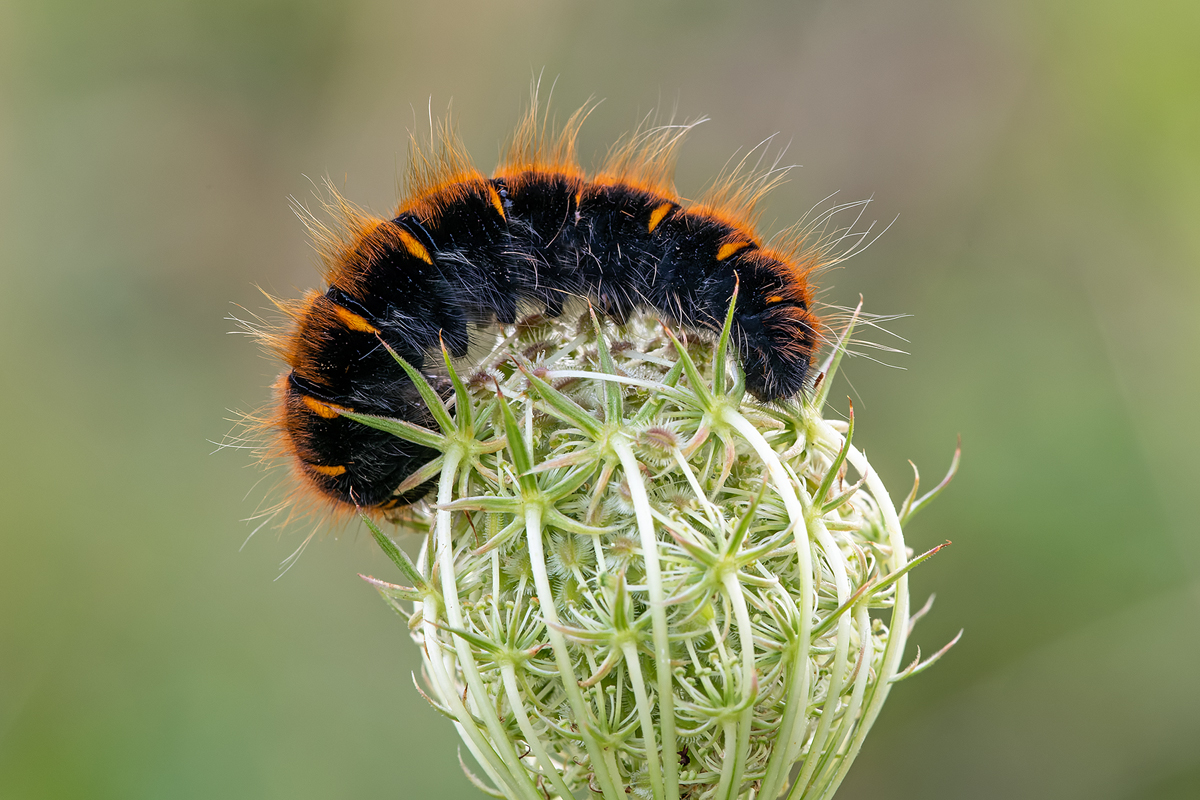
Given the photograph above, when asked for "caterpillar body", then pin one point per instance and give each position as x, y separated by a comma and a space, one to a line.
467, 250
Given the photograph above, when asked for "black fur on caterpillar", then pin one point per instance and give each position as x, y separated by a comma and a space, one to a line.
465, 250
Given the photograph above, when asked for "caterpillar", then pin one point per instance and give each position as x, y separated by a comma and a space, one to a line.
464, 250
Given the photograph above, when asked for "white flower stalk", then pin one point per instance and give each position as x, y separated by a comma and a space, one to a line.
640, 582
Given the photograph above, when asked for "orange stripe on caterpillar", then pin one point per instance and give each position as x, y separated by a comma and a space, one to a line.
414, 247
729, 248
353, 321
656, 216
496, 201
323, 410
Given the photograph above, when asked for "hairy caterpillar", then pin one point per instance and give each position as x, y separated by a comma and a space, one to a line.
465, 250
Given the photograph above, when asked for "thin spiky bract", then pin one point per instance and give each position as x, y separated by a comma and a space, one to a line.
640, 583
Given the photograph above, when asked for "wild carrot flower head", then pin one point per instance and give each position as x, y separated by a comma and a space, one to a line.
638, 581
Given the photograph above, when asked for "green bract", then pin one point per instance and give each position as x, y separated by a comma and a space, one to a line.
640, 582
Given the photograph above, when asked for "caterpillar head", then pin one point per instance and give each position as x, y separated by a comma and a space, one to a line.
776, 333
777, 347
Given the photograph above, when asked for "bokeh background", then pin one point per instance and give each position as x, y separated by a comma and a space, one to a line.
1042, 163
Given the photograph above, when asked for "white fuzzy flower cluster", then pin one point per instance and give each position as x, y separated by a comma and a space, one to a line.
640, 582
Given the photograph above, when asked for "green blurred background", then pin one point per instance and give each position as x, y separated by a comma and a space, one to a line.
1043, 159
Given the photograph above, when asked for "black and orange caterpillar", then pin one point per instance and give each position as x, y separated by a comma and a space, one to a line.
465, 250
